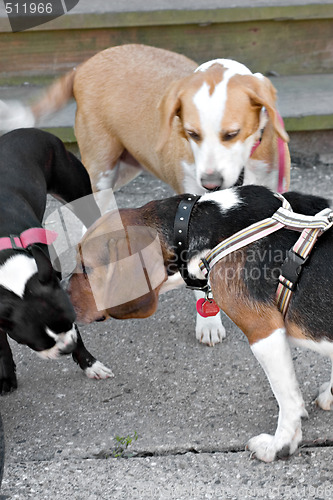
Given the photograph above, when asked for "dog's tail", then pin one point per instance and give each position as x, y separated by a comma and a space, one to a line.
55, 96
14, 114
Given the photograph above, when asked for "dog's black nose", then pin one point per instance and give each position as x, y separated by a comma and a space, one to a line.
212, 182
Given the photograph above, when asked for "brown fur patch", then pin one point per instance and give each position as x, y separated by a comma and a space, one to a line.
256, 320
295, 331
213, 76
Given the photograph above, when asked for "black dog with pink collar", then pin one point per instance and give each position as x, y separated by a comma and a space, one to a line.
34, 309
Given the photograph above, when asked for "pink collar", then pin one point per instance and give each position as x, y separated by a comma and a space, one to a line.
281, 157
27, 238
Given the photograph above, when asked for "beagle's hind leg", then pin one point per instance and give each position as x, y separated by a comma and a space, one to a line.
274, 355
100, 153
109, 164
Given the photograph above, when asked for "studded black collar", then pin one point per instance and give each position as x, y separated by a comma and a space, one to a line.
181, 226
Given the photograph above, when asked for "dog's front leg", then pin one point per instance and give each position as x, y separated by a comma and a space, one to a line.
86, 361
8, 381
208, 330
274, 355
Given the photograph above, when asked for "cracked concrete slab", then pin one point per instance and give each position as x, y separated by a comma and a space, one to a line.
192, 407
217, 476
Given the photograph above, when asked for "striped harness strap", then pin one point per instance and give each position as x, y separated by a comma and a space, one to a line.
296, 258
311, 227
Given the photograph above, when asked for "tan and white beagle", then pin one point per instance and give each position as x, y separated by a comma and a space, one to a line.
196, 128
128, 257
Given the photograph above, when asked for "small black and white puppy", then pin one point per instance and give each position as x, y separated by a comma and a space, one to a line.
34, 309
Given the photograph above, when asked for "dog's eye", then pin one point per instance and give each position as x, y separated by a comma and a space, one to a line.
227, 136
194, 135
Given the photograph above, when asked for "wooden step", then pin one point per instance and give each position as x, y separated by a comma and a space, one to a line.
270, 36
305, 103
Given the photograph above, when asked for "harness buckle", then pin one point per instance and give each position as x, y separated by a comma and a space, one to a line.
291, 269
15, 246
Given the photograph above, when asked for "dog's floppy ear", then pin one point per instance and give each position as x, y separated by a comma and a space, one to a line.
169, 107
135, 274
262, 93
44, 266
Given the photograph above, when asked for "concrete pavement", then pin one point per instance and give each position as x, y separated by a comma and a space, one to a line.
193, 408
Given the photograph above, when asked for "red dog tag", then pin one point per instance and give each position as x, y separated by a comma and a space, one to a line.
207, 307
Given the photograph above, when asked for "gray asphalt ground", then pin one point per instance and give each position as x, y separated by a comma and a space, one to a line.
192, 408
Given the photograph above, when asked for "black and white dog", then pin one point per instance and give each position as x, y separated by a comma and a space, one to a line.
34, 309
243, 284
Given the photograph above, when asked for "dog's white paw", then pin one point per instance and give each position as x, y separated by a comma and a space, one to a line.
210, 330
325, 397
98, 371
266, 447
263, 447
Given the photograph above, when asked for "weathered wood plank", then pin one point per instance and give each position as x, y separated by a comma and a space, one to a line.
282, 47
114, 16
309, 123
188, 16
305, 103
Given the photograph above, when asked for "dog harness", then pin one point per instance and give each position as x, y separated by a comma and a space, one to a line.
27, 238
311, 227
